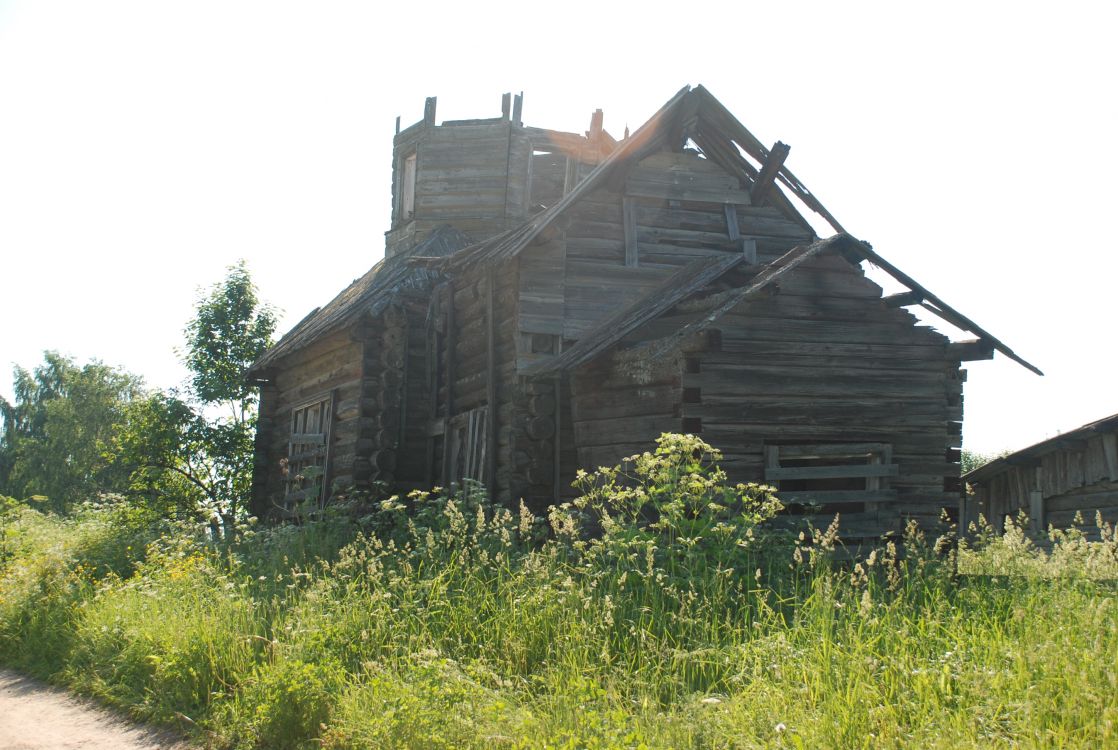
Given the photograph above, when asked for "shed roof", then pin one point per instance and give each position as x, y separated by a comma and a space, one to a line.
368, 295
997, 466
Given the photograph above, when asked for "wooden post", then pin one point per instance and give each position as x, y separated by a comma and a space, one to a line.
429, 111
432, 372
629, 214
451, 341
558, 442
518, 109
491, 383
506, 106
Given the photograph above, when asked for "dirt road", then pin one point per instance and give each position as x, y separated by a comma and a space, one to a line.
34, 716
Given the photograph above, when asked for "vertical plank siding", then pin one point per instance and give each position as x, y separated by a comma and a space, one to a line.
1079, 475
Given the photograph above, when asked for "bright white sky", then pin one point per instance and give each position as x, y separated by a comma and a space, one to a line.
145, 146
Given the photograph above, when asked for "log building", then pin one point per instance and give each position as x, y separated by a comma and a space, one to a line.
1052, 481
551, 300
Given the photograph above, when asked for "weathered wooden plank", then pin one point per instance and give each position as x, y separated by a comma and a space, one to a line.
631, 236
831, 450
631, 431
826, 497
1110, 449
763, 185
831, 472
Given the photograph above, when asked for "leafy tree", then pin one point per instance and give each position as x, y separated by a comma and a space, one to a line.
55, 430
194, 450
230, 330
971, 460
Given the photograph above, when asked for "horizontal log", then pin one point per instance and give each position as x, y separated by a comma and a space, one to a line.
967, 351
831, 472
903, 299
828, 497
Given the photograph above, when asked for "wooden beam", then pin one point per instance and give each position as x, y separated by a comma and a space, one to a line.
557, 478
903, 299
969, 351
728, 300
832, 472
518, 109
723, 120
748, 246
506, 106
491, 382
769, 170
629, 215
683, 123
451, 342
429, 110
432, 372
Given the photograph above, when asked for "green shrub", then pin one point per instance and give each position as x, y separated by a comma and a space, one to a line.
286, 704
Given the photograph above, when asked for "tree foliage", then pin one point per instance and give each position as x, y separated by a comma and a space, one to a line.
193, 450
56, 428
971, 460
231, 328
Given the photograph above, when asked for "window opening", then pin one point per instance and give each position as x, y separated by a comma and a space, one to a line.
547, 175
407, 188
305, 470
468, 445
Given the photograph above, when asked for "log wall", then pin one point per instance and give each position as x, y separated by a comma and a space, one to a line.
333, 367
478, 176
821, 361
824, 361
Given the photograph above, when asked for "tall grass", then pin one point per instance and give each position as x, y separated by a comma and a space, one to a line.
439, 621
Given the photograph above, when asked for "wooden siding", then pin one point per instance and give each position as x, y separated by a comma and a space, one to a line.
1081, 476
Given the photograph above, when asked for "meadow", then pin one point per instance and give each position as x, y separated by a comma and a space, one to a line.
661, 610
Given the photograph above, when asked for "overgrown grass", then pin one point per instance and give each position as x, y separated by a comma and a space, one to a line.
441, 622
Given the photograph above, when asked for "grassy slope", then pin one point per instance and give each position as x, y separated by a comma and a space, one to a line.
459, 630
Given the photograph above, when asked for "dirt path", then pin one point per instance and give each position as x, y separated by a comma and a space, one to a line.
34, 716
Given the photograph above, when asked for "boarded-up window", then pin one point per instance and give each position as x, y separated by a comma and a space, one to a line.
467, 444
407, 188
830, 478
307, 450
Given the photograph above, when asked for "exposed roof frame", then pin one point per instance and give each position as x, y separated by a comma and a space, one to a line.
935, 305
675, 288
693, 113
700, 273
690, 279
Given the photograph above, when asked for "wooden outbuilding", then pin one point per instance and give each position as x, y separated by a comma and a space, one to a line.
1051, 482
552, 300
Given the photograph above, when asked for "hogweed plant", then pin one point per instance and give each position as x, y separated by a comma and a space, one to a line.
676, 502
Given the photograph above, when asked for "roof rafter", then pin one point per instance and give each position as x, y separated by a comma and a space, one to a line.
935, 305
